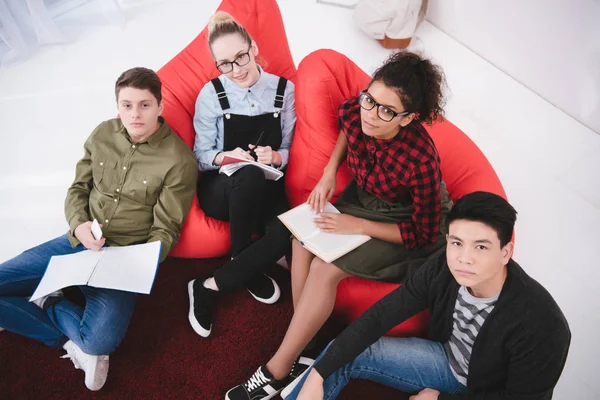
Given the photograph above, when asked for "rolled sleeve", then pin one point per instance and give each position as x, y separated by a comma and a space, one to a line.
209, 141
424, 226
288, 124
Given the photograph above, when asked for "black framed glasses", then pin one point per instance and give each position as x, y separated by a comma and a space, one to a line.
227, 66
383, 112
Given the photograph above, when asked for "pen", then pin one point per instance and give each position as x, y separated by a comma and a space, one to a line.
253, 151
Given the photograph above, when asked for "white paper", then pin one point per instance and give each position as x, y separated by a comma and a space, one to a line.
69, 270
327, 246
128, 268
231, 164
301, 218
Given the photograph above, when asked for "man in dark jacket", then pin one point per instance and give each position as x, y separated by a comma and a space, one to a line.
496, 333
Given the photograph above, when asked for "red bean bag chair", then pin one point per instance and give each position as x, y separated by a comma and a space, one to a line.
184, 76
325, 78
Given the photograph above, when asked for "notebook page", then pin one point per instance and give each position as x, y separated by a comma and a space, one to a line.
299, 220
330, 246
68, 270
129, 268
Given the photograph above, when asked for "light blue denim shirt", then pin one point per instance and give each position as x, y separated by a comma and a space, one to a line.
256, 100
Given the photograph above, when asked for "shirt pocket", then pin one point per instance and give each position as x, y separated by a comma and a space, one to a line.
103, 171
146, 188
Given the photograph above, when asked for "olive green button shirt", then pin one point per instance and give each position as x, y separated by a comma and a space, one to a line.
140, 192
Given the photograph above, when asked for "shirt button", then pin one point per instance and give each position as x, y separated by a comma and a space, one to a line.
115, 200
372, 149
118, 190
133, 146
124, 168
106, 221
101, 163
145, 182
251, 105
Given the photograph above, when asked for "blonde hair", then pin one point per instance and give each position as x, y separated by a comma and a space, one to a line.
222, 24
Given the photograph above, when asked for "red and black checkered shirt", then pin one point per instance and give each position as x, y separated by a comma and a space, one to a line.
402, 168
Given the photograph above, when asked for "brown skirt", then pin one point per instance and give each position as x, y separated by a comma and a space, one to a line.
378, 259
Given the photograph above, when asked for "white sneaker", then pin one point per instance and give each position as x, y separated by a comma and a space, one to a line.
95, 367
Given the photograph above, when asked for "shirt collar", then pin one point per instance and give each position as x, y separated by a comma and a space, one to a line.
257, 89
155, 139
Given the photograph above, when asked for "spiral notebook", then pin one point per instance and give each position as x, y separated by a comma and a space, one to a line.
230, 164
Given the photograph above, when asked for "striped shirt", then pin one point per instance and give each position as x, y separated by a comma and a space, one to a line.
469, 315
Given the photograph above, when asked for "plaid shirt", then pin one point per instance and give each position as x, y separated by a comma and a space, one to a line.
402, 168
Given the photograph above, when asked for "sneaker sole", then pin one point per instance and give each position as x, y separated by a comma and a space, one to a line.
272, 299
268, 397
191, 317
90, 379
289, 388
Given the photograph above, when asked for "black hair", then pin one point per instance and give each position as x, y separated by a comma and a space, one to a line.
418, 82
489, 209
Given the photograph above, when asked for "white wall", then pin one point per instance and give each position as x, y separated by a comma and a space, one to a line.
550, 46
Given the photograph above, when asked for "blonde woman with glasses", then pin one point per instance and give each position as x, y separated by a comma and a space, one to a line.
246, 113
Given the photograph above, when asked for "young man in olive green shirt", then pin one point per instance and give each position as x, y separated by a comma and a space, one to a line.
138, 179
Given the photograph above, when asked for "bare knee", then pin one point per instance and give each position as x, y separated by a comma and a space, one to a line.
325, 272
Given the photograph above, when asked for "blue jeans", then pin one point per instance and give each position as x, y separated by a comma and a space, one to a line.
407, 364
97, 328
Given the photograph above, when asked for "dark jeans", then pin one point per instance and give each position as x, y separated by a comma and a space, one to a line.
251, 204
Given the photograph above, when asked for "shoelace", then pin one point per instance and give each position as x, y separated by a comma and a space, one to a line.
256, 380
73, 358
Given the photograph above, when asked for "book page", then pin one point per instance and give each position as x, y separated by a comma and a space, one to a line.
330, 246
299, 220
68, 270
231, 164
129, 268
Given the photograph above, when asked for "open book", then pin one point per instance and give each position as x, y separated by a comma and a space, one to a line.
327, 246
231, 164
128, 268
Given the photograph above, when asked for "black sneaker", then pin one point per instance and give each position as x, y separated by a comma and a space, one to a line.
299, 369
260, 386
202, 304
263, 288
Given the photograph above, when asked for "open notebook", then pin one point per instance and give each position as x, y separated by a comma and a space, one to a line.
229, 165
128, 268
327, 246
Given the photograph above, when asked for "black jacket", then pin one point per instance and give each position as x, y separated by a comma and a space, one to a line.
519, 352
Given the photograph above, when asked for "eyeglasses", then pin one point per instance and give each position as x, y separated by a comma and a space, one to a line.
383, 112
227, 66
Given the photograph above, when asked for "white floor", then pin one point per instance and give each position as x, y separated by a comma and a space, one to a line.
545, 159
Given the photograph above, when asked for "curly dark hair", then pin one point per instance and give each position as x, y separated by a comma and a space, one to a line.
418, 81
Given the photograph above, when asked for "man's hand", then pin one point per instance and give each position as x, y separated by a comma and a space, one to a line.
83, 233
343, 224
266, 155
312, 388
425, 394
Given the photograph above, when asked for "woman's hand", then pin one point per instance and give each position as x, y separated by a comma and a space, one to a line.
312, 388
322, 193
266, 155
343, 224
238, 152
